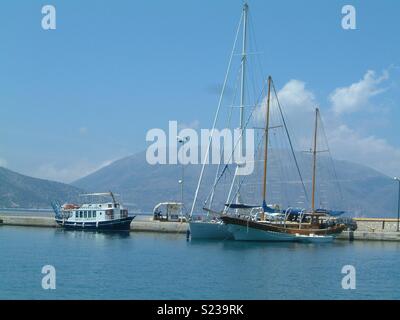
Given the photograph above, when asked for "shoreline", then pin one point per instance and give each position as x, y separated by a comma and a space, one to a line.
369, 229
140, 225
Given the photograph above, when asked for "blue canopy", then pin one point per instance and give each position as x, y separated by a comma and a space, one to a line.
333, 213
240, 206
267, 209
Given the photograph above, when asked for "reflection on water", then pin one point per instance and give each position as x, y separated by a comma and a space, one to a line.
134, 265
91, 234
250, 245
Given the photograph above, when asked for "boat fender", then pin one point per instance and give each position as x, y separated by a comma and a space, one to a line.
97, 224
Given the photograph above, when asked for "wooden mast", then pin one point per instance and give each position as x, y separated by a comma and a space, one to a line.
314, 161
266, 138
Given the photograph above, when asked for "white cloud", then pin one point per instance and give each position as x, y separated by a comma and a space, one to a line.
375, 152
357, 95
294, 98
298, 104
346, 143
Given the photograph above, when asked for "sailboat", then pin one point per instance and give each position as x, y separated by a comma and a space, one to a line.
211, 226
313, 226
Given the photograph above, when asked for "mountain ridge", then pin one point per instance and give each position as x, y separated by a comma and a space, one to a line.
21, 191
366, 191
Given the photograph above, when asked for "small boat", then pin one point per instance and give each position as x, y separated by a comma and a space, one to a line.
109, 215
169, 211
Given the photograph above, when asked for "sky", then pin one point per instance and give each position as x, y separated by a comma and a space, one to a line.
76, 98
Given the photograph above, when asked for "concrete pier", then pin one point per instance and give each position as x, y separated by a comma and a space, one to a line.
141, 224
28, 221
374, 229
369, 236
371, 229
159, 226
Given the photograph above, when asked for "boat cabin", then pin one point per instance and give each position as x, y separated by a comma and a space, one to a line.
93, 215
169, 211
94, 212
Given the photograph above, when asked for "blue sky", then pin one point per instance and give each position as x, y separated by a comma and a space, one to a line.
75, 98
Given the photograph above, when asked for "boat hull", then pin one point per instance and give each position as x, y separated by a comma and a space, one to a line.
243, 233
122, 224
209, 230
247, 230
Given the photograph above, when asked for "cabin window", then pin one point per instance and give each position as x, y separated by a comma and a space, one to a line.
94, 214
110, 205
89, 214
80, 214
85, 214
76, 214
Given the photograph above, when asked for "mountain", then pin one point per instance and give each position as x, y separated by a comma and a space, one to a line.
141, 185
20, 191
358, 189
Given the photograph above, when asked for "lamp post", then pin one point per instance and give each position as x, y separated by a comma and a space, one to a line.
182, 141
398, 205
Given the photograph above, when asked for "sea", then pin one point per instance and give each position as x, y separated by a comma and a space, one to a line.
135, 265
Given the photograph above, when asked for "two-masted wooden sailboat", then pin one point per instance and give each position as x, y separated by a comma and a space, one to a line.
312, 226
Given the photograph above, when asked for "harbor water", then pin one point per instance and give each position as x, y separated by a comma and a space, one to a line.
92, 265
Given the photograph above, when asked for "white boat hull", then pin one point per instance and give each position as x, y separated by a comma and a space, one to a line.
243, 233
209, 230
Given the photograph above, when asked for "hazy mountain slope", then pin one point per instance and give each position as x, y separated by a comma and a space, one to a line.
19, 191
364, 191
141, 185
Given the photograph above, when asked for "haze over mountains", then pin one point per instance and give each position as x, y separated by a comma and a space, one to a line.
364, 191
361, 191
20, 191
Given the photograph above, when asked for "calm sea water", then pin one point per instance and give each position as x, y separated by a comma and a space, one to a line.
161, 266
